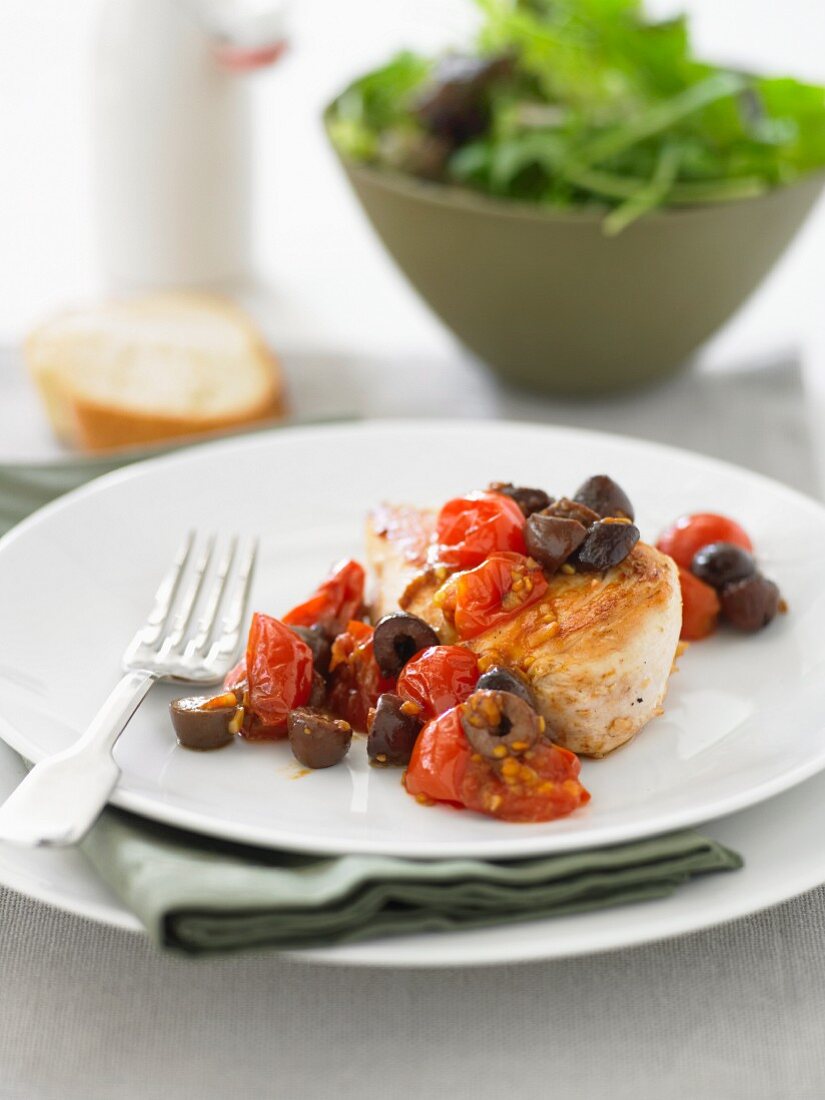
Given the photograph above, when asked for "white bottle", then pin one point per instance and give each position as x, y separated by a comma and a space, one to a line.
172, 143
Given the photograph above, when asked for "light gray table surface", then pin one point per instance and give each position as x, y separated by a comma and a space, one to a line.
93, 1013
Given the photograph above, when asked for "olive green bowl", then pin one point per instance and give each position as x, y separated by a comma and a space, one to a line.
549, 302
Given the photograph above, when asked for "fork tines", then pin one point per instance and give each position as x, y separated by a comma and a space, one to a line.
207, 585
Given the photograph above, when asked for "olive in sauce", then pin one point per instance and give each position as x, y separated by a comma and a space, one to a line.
202, 722
551, 539
317, 739
722, 563
397, 638
498, 724
607, 544
393, 729
604, 496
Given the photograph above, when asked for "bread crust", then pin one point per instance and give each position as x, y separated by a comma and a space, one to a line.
98, 426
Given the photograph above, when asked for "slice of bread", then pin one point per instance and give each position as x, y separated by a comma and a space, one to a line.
153, 368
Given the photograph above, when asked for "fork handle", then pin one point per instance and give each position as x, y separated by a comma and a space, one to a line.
62, 796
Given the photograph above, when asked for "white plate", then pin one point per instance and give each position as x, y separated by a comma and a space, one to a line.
779, 839
745, 715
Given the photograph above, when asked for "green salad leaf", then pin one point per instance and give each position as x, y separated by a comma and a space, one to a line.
570, 103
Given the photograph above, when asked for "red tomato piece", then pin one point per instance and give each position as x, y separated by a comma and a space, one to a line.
700, 607
439, 760
439, 678
471, 528
355, 680
493, 592
541, 785
236, 676
336, 601
690, 533
279, 668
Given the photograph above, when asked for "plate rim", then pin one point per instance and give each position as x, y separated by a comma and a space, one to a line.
508, 846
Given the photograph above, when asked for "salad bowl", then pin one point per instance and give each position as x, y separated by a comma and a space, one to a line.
549, 302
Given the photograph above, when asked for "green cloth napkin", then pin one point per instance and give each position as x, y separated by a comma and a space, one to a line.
200, 895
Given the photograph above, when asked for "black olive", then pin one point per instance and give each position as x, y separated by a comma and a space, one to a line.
603, 495
607, 544
564, 508
454, 103
318, 740
319, 643
529, 500
318, 691
496, 720
393, 729
722, 563
751, 603
499, 678
397, 638
201, 724
551, 540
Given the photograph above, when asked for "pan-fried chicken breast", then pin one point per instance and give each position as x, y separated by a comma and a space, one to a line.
597, 650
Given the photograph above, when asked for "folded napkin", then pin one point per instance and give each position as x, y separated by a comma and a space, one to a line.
199, 895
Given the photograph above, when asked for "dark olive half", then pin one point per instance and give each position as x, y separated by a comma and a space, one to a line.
551, 540
722, 563
393, 729
201, 727
397, 638
529, 500
499, 678
318, 740
564, 508
607, 544
751, 603
319, 643
454, 102
500, 724
603, 495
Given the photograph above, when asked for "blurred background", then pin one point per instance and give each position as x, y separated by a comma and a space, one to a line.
322, 287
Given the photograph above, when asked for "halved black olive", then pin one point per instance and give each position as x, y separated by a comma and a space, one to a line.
751, 603
499, 678
318, 740
607, 544
529, 500
319, 643
564, 508
722, 563
202, 722
605, 496
500, 724
397, 638
393, 729
551, 540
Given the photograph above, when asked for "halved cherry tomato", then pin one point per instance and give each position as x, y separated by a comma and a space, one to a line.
236, 676
355, 681
335, 602
439, 760
543, 784
279, 671
700, 607
493, 592
439, 678
471, 528
690, 533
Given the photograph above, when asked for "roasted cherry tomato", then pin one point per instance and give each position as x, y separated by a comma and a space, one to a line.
279, 671
439, 678
539, 786
355, 681
700, 607
335, 601
493, 592
471, 528
439, 760
236, 676
690, 533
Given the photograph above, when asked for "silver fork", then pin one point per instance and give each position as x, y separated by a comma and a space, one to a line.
61, 797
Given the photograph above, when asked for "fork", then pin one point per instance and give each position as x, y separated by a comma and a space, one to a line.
62, 796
